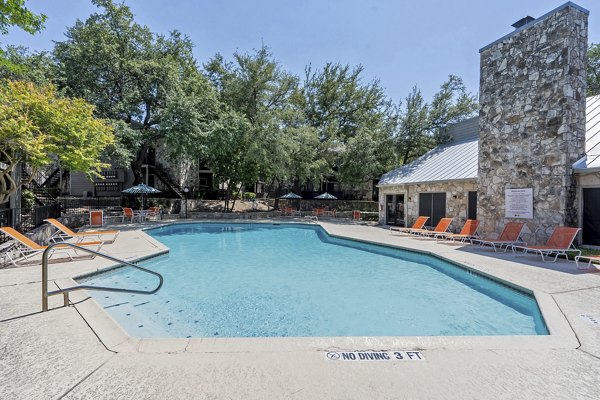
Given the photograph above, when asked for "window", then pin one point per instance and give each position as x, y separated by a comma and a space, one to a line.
432, 205
472, 206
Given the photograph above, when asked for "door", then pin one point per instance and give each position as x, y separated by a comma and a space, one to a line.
591, 216
432, 205
394, 206
472, 205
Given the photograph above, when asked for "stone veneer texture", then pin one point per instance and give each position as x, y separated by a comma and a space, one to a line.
532, 121
456, 199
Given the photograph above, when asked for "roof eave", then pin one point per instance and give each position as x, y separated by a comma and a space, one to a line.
426, 182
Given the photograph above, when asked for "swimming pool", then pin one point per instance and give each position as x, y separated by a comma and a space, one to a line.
290, 280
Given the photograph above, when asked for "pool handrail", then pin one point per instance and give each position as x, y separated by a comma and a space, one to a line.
65, 291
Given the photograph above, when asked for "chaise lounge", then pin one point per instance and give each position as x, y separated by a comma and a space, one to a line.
63, 233
559, 243
510, 236
419, 224
27, 248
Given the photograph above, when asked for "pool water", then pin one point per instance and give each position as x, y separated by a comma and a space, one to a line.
264, 280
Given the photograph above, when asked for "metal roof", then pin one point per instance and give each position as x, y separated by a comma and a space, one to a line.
591, 161
452, 161
458, 160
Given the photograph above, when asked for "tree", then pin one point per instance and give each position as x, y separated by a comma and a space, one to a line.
19, 64
593, 71
148, 85
348, 114
36, 124
14, 13
419, 123
253, 87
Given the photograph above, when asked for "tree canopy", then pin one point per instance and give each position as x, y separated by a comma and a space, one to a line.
148, 85
248, 117
593, 70
36, 124
14, 13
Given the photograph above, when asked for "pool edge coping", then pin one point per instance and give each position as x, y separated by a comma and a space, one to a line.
115, 338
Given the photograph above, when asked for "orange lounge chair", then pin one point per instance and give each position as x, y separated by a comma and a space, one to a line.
442, 226
27, 248
419, 224
510, 236
589, 264
559, 243
468, 232
63, 233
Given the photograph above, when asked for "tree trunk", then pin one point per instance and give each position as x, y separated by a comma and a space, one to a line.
136, 165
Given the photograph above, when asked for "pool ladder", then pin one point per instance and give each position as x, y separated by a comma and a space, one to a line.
65, 291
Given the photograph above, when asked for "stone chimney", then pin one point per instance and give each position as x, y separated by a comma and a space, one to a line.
532, 120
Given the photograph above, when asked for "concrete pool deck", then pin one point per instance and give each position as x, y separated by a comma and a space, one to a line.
61, 354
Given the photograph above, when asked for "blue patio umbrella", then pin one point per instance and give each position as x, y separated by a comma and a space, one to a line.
291, 195
141, 189
326, 196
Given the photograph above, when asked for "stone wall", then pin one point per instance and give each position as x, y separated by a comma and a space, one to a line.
532, 120
456, 199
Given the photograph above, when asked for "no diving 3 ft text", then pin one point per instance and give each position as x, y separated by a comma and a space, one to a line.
374, 355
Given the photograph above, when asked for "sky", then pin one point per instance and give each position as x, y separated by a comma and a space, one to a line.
400, 43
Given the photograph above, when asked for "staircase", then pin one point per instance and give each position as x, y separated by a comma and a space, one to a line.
42, 196
53, 180
174, 188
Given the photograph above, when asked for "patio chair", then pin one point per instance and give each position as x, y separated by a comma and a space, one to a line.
27, 248
153, 212
63, 233
419, 224
468, 232
442, 226
558, 244
590, 259
129, 214
510, 236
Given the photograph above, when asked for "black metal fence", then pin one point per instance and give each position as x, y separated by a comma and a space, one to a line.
79, 206
27, 219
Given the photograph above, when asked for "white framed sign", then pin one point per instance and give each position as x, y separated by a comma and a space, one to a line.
519, 203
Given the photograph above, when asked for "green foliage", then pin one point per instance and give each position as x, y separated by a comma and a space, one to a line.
419, 123
255, 92
37, 125
593, 71
347, 114
14, 13
17, 63
27, 199
147, 84
249, 196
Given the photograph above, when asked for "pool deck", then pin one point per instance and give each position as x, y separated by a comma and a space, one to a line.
78, 352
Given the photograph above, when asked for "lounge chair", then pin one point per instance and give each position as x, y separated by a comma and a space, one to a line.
558, 244
63, 233
510, 236
419, 224
468, 232
589, 259
442, 226
27, 248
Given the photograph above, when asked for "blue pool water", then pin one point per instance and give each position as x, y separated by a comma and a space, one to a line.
259, 280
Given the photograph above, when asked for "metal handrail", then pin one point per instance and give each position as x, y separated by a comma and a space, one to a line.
65, 291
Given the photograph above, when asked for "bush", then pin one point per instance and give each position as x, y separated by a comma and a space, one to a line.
27, 199
249, 196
